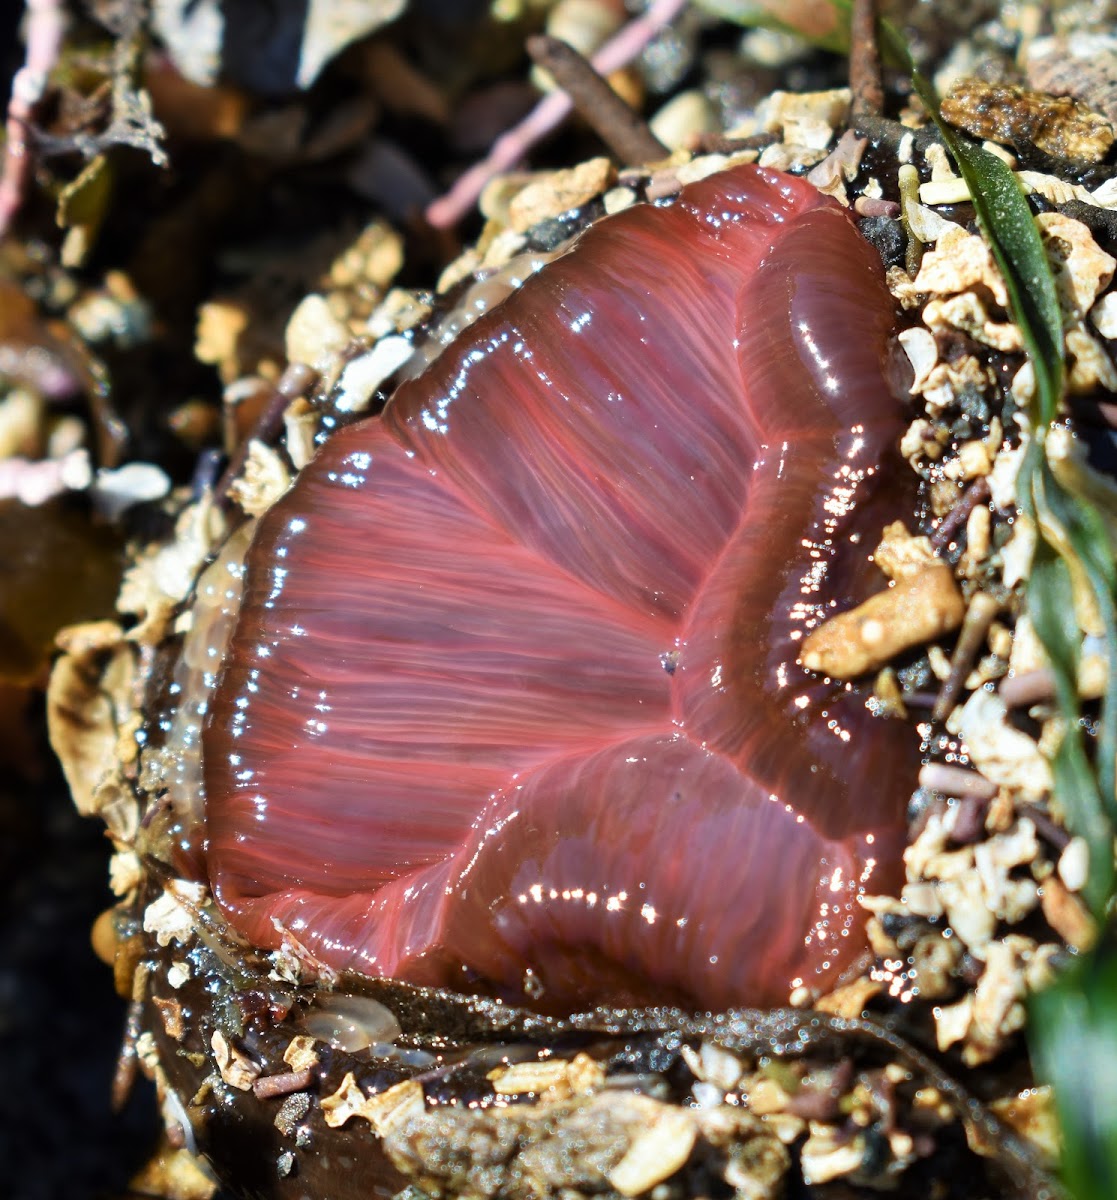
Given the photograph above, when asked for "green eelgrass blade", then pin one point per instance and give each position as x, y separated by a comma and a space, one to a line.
1074, 1040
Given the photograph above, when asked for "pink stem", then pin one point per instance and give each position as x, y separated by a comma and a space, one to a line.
46, 24
512, 146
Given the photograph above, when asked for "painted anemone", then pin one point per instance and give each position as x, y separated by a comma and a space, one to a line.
512, 704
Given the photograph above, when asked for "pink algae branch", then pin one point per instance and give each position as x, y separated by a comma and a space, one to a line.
46, 24
512, 146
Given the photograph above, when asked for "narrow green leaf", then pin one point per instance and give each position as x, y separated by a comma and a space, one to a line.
1084, 537
1076, 1049
1051, 605
1010, 228
1014, 238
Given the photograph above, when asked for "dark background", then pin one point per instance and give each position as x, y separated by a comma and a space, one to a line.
60, 1020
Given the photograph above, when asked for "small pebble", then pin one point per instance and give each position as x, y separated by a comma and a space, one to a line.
682, 118
618, 198
1074, 863
314, 335
707, 1095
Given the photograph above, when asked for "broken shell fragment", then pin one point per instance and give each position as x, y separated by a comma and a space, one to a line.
351, 1022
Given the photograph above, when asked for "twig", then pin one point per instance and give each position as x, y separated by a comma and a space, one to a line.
46, 25
616, 123
270, 1086
891, 134
720, 143
955, 781
1028, 688
969, 820
512, 146
870, 206
975, 494
864, 61
294, 381
979, 616
127, 1061
1055, 835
